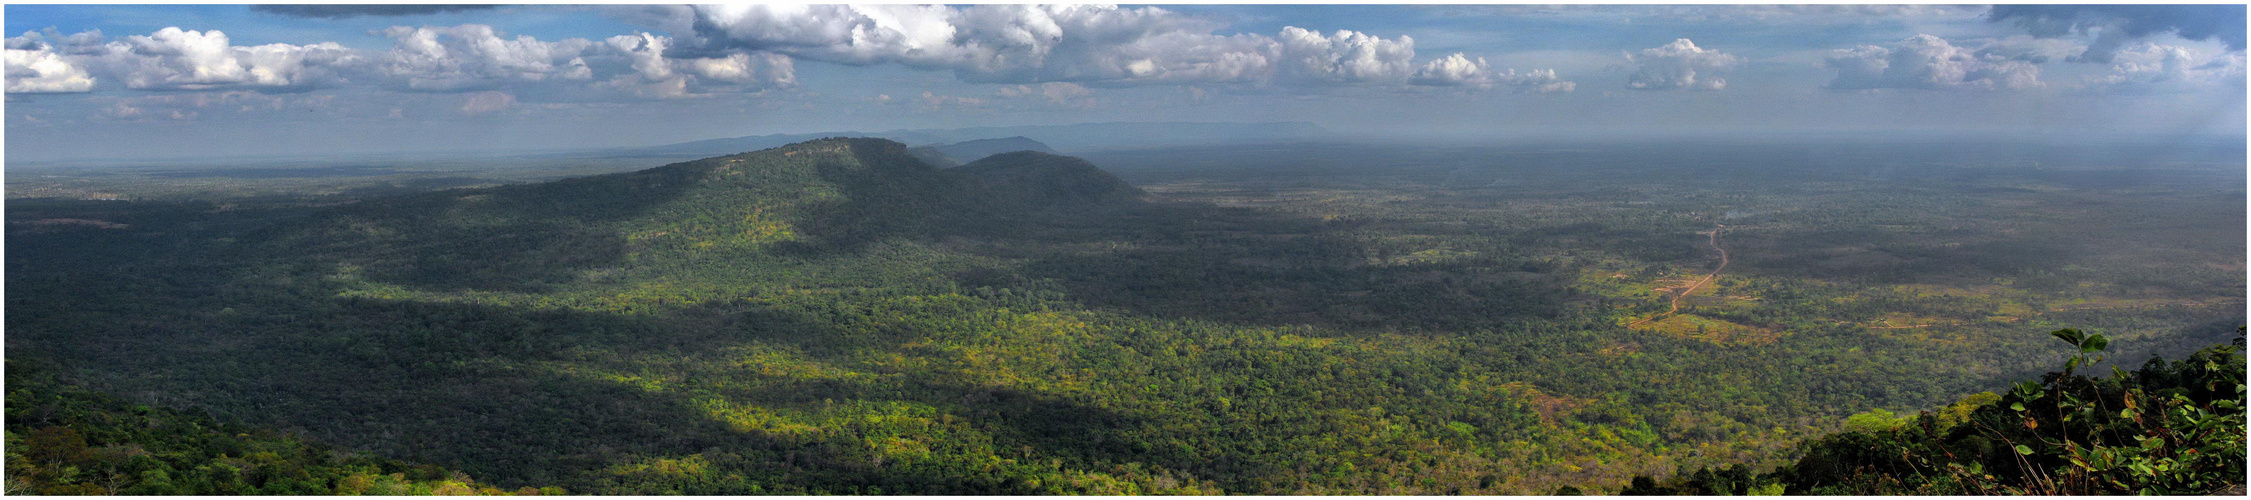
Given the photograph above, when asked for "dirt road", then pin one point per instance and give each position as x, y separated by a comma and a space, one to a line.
1715, 241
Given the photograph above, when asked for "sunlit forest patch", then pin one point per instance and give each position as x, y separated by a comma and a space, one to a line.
1716, 331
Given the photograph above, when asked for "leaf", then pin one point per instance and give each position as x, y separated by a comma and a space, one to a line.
2016, 406
2024, 450
2069, 335
2094, 343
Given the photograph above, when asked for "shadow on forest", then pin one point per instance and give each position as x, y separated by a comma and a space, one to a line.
522, 421
514, 238
1245, 266
512, 396
533, 237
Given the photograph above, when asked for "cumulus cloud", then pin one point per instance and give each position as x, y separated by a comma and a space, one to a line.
339, 11
1345, 56
2117, 26
1021, 44
475, 57
654, 75
1539, 80
1460, 70
171, 59
750, 48
1929, 62
1680, 65
2154, 68
464, 58
991, 43
33, 67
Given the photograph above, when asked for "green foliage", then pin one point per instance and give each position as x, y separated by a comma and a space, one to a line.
1875, 421
65, 440
2164, 429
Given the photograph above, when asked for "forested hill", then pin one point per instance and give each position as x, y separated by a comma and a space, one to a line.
836, 193
1032, 180
2164, 429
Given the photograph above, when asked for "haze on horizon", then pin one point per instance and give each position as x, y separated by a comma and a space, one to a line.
120, 81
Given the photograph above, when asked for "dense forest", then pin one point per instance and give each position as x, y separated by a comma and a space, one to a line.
65, 440
2164, 429
840, 317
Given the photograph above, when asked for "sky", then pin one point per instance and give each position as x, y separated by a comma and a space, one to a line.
88, 82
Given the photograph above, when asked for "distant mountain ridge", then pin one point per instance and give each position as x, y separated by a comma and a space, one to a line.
803, 197
954, 155
1075, 137
970, 151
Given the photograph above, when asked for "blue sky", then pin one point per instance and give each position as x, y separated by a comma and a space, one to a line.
111, 81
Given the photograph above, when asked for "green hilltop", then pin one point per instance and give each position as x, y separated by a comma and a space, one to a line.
836, 193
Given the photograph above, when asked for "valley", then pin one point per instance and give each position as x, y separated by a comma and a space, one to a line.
838, 316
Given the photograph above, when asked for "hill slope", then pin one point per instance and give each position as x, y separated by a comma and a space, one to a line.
2066, 434
829, 193
1033, 180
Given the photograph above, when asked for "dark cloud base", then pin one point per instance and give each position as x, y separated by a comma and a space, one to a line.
2193, 22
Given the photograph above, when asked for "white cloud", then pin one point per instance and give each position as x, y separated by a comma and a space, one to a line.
1345, 56
33, 67
1930, 62
1460, 70
2153, 68
765, 69
176, 59
171, 59
652, 74
1453, 70
1088, 44
1680, 65
463, 58
751, 48
991, 43
487, 102
474, 56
